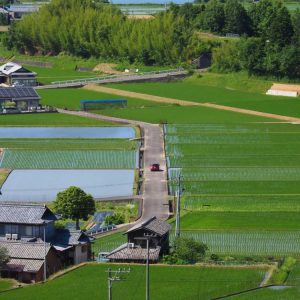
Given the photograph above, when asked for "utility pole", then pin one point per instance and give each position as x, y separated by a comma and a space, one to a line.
113, 275
45, 254
178, 195
148, 237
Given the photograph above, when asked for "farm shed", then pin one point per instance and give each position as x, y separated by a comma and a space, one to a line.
18, 11
26, 262
12, 74
23, 99
135, 250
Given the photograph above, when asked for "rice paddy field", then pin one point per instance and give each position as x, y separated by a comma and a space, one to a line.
242, 185
236, 90
167, 282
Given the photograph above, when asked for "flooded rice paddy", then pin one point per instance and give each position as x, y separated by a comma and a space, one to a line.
43, 185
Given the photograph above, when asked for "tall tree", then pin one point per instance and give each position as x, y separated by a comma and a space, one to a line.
75, 204
213, 18
236, 18
277, 27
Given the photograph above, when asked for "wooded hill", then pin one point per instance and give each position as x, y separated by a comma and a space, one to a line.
269, 42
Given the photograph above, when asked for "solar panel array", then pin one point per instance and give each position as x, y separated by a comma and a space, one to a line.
18, 93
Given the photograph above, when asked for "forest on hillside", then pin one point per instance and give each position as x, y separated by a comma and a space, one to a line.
268, 41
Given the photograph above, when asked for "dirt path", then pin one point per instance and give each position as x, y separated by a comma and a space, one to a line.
148, 97
103, 89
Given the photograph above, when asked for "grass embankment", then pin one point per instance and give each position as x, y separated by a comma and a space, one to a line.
6, 284
166, 283
48, 119
289, 289
236, 90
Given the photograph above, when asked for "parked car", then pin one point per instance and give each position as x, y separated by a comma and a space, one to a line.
155, 168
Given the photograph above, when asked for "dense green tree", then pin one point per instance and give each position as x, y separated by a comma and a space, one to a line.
277, 26
296, 26
116, 219
213, 18
75, 204
226, 57
252, 52
189, 250
236, 18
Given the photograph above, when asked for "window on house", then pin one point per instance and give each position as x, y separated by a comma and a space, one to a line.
84, 248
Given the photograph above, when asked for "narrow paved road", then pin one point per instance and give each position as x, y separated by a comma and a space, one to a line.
155, 189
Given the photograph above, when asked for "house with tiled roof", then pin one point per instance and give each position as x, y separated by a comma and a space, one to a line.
135, 250
28, 233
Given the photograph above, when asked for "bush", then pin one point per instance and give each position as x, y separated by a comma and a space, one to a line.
115, 219
188, 250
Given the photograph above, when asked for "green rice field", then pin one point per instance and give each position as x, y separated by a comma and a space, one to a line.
167, 282
290, 290
20, 159
48, 119
252, 243
242, 185
69, 144
237, 90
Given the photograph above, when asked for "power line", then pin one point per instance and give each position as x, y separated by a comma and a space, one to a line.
114, 275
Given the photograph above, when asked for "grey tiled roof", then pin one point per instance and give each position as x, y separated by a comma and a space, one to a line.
125, 253
25, 250
25, 213
25, 265
155, 225
68, 237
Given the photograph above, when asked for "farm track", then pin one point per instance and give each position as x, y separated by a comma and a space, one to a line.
155, 190
190, 103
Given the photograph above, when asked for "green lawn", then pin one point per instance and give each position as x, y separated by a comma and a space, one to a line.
166, 282
109, 242
70, 98
5, 284
235, 90
241, 221
48, 119
48, 75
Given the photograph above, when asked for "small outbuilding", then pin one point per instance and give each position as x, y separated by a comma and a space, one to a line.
135, 250
12, 74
